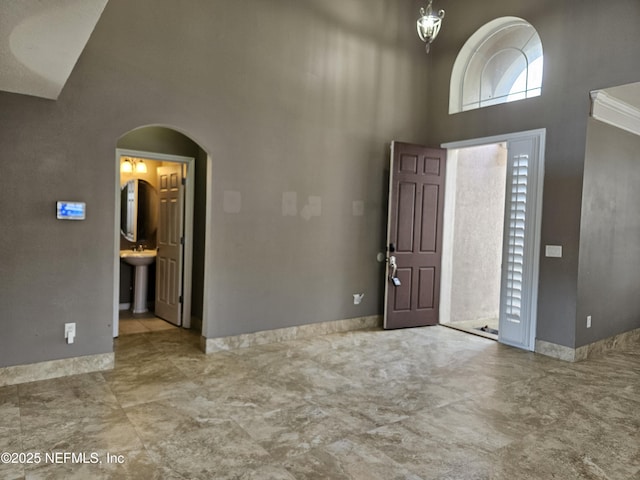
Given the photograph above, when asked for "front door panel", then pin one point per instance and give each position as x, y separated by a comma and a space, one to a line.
414, 235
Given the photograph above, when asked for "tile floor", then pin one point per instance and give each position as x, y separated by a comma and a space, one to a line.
141, 323
424, 403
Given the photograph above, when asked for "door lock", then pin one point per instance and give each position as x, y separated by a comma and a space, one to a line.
393, 265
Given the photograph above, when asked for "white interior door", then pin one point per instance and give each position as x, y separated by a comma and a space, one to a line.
168, 304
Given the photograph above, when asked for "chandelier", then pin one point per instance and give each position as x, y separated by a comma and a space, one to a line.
429, 25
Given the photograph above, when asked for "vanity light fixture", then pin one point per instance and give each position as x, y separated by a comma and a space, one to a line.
141, 167
131, 164
126, 166
429, 24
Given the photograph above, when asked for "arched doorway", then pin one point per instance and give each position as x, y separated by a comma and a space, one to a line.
174, 281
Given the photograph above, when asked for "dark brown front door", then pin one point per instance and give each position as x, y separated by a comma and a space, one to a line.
414, 235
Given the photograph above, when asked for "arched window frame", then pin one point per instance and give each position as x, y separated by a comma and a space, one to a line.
474, 51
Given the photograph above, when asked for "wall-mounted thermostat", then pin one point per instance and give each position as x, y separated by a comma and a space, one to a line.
71, 210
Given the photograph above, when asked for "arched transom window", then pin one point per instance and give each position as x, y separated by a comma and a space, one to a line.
502, 62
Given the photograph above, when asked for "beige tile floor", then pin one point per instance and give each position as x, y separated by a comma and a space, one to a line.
424, 403
130, 324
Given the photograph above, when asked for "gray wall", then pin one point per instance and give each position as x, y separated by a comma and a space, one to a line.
609, 286
588, 44
284, 95
478, 230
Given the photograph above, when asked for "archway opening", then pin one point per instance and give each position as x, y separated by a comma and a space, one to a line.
162, 148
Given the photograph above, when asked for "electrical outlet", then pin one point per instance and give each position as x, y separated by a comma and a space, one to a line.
70, 332
588, 321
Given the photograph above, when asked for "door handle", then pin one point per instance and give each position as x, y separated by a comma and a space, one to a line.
393, 265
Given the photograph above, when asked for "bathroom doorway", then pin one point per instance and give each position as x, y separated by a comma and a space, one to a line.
156, 239
157, 145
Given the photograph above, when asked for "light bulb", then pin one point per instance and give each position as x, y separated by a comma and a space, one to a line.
126, 167
141, 167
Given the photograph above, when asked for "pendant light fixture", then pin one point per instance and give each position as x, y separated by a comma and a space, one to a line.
429, 24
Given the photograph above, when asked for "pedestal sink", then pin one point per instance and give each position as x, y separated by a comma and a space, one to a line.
140, 259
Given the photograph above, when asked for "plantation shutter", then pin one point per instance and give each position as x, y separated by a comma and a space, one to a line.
517, 272
516, 238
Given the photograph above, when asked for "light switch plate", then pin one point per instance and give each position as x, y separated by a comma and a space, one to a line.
553, 251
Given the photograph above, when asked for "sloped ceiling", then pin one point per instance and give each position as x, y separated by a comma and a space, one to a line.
41, 41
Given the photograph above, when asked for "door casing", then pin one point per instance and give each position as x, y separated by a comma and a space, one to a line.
188, 227
533, 255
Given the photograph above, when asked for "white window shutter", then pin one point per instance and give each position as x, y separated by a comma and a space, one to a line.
516, 236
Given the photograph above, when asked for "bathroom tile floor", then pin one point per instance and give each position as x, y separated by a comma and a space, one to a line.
423, 403
130, 323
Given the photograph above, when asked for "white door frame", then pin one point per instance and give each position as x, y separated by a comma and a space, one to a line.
533, 255
188, 227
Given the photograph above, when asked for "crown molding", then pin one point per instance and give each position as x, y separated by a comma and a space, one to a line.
611, 110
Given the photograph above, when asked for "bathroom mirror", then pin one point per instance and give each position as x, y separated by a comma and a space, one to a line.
138, 211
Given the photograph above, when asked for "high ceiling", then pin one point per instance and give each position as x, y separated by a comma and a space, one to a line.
41, 41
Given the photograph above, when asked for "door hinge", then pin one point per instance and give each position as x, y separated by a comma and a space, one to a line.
184, 181
181, 240
180, 299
